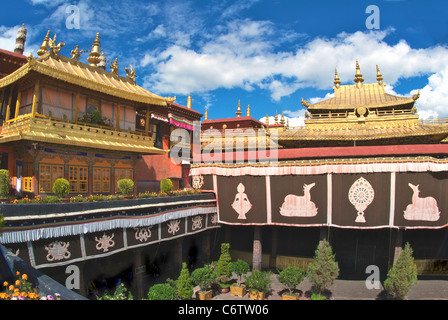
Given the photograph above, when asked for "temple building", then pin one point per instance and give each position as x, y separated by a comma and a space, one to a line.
364, 172
64, 118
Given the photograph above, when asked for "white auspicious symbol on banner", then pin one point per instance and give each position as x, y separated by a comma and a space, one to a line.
105, 242
299, 206
421, 208
143, 234
173, 226
197, 222
241, 203
198, 181
214, 218
57, 250
361, 195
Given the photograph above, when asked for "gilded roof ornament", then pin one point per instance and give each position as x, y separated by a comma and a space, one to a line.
337, 81
102, 63
30, 59
76, 53
267, 120
276, 117
248, 110
358, 76
53, 47
416, 96
379, 77
238, 110
206, 115
282, 119
114, 66
130, 73
170, 99
94, 56
44, 47
305, 103
189, 101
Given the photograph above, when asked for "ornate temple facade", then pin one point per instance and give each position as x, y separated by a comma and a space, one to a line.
64, 118
364, 172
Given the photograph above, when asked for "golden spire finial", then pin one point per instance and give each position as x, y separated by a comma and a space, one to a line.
358, 76
267, 120
238, 110
189, 101
337, 81
206, 115
44, 46
276, 117
379, 77
248, 110
94, 56
282, 120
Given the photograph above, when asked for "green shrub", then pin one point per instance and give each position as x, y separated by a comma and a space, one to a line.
184, 287
121, 293
61, 187
403, 274
240, 267
166, 185
259, 281
126, 186
223, 271
204, 277
5, 183
324, 269
291, 277
316, 296
162, 291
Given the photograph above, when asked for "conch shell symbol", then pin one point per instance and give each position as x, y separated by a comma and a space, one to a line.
241, 203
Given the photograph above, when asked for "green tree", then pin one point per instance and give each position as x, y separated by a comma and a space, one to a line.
240, 267
126, 186
324, 269
223, 266
291, 277
403, 274
166, 185
184, 285
204, 277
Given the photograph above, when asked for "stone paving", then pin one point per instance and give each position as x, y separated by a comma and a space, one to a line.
354, 290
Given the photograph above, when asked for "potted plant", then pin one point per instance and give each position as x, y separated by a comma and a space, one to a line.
259, 283
62, 188
324, 269
5, 185
223, 271
184, 287
240, 268
162, 291
126, 186
291, 277
204, 277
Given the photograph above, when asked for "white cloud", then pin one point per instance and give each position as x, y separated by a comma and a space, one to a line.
8, 37
243, 55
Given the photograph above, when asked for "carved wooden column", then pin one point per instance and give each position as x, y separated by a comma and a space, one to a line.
35, 98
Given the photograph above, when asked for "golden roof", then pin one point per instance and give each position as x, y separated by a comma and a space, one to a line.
365, 133
372, 95
91, 77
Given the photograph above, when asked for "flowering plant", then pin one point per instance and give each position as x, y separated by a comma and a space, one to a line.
22, 289
95, 117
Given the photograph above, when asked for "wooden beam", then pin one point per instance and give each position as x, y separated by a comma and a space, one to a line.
8, 108
19, 96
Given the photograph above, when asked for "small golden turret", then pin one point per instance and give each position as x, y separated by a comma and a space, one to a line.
337, 81
44, 47
248, 111
276, 117
282, 120
238, 110
94, 56
379, 77
358, 76
206, 115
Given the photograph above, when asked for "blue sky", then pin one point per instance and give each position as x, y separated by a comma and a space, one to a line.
267, 54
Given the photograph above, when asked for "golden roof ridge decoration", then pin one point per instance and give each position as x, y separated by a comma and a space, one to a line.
55, 48
44, 47
130, 73
94, 56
